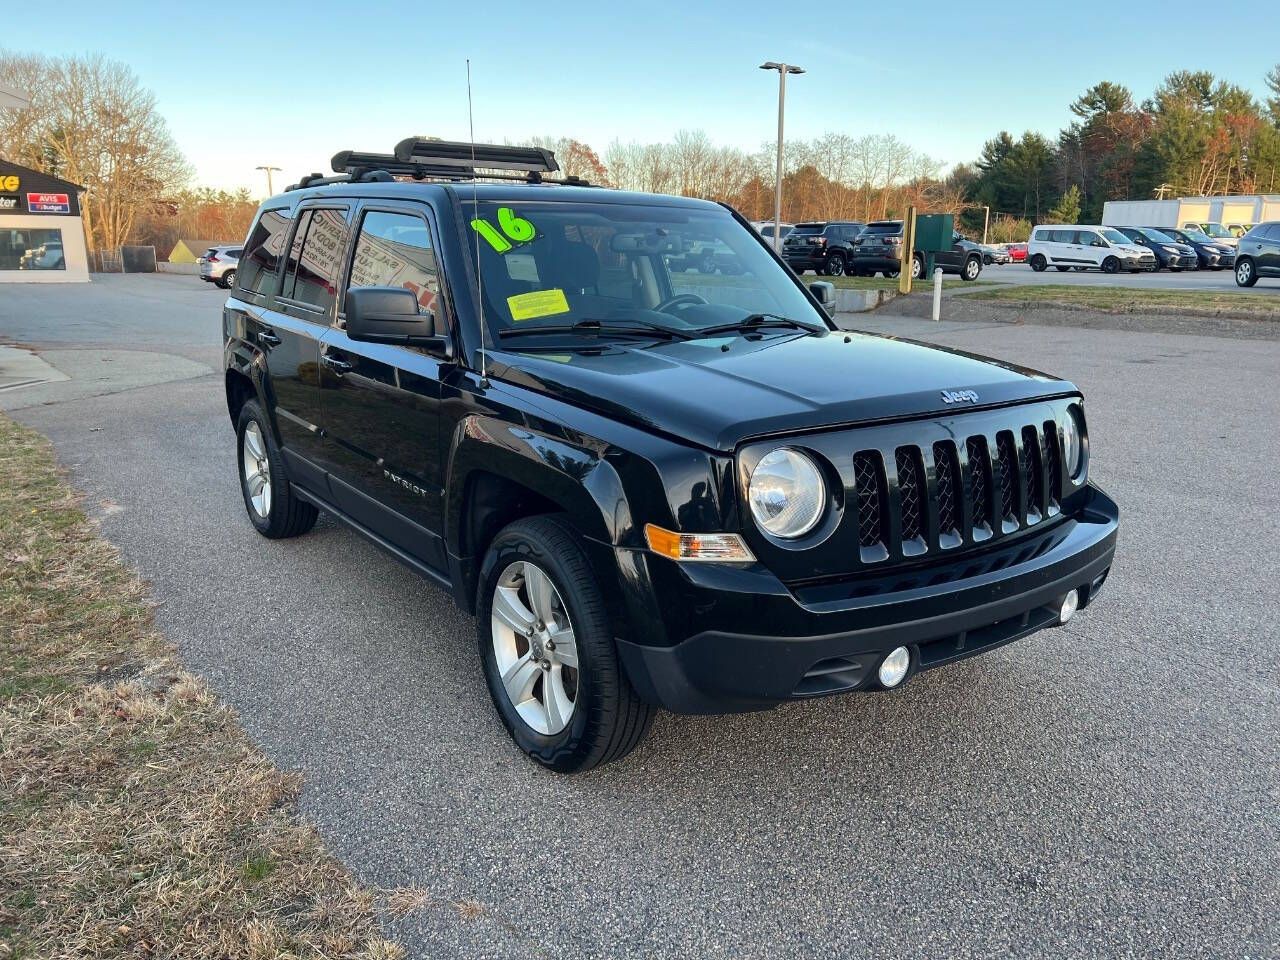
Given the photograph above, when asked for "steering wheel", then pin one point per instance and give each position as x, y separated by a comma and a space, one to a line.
679, 298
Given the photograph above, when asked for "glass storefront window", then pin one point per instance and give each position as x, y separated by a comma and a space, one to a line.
31, 249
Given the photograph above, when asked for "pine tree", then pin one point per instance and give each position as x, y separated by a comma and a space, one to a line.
1067, 209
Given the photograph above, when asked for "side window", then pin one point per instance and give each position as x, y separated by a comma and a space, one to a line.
1063, 236
394, 250
319, 264
1273, 233
262, 252
295, 253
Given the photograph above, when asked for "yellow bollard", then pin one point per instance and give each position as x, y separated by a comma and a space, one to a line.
908, 250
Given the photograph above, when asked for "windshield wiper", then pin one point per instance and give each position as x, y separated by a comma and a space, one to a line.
759, 321
630, 328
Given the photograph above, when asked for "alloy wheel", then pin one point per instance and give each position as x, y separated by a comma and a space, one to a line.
972, 268
257, 469
534, 647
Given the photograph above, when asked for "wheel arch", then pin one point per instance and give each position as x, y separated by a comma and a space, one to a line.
500, 472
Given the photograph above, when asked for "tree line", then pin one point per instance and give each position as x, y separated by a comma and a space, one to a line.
91, 122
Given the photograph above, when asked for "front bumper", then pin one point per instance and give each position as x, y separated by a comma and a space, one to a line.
818, 641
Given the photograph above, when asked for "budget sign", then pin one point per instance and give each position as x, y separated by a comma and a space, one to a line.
48, 203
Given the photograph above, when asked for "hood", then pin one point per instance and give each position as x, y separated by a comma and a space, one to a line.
772, 384
1133, 249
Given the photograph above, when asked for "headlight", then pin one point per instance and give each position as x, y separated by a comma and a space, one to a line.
786, 493
1170, 249
1072, 448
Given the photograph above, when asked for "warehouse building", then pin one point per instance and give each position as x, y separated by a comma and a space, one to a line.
41, 233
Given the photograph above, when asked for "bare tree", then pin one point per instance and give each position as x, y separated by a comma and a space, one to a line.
93, 124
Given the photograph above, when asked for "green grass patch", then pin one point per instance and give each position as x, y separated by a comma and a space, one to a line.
1254, 304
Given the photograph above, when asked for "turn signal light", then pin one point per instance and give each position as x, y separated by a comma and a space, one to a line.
719, 547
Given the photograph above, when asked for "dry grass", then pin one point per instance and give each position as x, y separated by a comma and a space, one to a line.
1248, 304
136, 819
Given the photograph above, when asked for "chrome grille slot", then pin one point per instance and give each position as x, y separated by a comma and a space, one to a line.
911, 496
873, 533
946, 468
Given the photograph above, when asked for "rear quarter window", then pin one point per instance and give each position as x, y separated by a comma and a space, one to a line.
263, 251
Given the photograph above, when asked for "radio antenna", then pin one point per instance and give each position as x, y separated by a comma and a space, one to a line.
475, 213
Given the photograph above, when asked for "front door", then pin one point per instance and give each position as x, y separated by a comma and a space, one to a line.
381, 403
288, 340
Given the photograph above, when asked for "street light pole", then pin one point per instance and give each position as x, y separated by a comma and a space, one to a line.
270, 191
783, 69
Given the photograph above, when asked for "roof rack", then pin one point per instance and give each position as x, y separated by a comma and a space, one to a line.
488, 156
421, 159
356, 163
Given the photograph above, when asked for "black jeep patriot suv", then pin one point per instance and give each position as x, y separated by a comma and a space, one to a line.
653, 488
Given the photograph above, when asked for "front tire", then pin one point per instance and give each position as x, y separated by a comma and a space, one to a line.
1111, 265
274, 510
1246, 273
548, 651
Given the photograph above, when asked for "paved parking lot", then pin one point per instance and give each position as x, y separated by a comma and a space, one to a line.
1106, 790
1218, 280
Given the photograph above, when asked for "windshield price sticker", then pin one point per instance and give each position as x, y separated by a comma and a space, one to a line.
539, 303
516, 229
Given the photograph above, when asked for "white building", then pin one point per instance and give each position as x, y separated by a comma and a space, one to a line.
1239, 211
41, 233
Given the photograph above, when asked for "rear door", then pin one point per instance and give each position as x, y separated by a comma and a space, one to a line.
287, 342
381, 402
1269, 258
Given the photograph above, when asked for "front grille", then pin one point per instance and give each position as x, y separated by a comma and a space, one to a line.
979, 482
1008, 479
911, 495
944, 494
947, 471
868, 481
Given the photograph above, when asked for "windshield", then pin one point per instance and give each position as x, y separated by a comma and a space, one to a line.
555, 264
1157, 237
1198, 236
1115, 236
1217, 230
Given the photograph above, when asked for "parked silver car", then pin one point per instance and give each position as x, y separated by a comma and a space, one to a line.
218, 265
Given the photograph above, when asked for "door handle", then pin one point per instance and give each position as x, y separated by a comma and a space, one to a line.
268, 339
334, 364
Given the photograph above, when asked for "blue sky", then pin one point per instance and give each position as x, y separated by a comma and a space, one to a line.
244, 84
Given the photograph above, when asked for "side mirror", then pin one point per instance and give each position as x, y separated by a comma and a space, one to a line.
390, 315
823, 292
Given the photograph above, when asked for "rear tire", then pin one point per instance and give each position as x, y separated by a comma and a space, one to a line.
1038, 263
1246, 273
606, 717
273, 509
972, 269
834, 266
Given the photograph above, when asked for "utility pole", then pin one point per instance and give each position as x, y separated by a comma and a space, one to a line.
783, 69
270, 190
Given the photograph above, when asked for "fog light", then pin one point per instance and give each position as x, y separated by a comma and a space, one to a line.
1070, 604
894, 667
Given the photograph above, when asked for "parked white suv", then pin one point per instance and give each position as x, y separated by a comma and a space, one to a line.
1087, 247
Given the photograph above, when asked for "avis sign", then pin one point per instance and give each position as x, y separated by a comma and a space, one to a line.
48, 203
